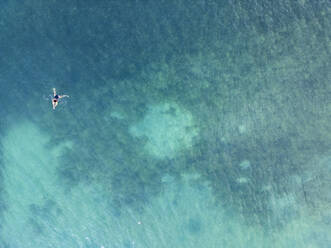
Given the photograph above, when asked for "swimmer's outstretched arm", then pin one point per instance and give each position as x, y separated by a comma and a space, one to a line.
63, 96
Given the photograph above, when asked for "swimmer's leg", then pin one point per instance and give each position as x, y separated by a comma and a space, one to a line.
54, 104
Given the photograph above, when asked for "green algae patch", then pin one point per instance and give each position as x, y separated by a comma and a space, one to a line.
168, 128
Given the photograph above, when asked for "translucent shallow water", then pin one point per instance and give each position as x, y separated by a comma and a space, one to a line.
189, 124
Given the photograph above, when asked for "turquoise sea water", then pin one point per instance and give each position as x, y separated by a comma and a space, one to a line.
190, 124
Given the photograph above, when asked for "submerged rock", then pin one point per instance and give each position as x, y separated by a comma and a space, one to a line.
194, 225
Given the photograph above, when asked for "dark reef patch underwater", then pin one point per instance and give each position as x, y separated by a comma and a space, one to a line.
189, 124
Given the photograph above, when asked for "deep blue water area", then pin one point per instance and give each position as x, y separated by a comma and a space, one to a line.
188, 124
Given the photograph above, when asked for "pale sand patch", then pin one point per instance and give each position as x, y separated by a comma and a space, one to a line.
168, 127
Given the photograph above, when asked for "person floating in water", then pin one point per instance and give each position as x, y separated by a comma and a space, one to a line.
56, 97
